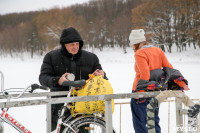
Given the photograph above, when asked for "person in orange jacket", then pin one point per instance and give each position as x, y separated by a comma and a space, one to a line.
149, 64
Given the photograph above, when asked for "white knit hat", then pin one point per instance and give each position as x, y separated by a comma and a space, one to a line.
136, 36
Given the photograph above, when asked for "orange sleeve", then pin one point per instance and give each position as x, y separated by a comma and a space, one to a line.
180, 83
137, 77
165, 62
142, 65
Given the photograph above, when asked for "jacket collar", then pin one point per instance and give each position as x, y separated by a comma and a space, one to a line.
66, 53
147, 46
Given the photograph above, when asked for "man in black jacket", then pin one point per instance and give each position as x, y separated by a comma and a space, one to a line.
59, 63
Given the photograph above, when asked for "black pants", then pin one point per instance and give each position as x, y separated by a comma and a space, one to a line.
54, 116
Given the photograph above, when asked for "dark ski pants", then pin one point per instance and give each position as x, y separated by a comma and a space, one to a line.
55, 108
139, 115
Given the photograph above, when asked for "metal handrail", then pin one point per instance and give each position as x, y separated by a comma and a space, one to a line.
169, 101
48, 101
107, 97
2, 81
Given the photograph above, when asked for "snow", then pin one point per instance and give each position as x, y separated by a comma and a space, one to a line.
119, 67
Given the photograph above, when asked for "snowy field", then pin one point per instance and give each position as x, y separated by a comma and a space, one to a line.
119, 67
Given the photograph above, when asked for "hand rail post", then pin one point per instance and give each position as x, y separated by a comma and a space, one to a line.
108, 115
179, 118
48, 114
2, 88
2, 81
1, 126
198, 123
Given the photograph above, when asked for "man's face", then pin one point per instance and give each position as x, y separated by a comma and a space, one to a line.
72, 48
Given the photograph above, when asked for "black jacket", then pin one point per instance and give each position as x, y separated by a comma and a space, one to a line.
58, 62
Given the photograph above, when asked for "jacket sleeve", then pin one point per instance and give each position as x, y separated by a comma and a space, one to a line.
97, 65
137, 77
142, 65
165, 62
47, 75
180, 83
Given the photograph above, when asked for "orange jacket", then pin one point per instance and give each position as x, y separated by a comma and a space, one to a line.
147, 59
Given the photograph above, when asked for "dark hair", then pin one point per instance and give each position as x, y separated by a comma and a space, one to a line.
136, 46
145, 43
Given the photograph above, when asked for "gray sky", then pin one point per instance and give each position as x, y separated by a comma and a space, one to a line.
11, 6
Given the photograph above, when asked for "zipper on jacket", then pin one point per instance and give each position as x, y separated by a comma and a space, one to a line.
80, 72
73, 66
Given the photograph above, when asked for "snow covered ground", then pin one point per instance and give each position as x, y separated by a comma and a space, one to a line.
119, 67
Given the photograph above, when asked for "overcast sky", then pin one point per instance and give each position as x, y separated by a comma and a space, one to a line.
11, 6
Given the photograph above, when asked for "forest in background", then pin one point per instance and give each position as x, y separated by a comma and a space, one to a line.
103, 23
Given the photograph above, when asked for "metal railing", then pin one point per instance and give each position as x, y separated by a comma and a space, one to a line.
184, 112
45, 98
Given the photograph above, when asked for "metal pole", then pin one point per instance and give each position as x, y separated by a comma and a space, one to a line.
2, 81
168, 116
179, 118
48, 114
108, 115
2, 88
198, 123
1, 127
184, 118
120, 118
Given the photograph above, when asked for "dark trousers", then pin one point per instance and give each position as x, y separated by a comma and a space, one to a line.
139, 116
54, 116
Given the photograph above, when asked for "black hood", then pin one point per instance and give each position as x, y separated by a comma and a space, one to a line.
71, 35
